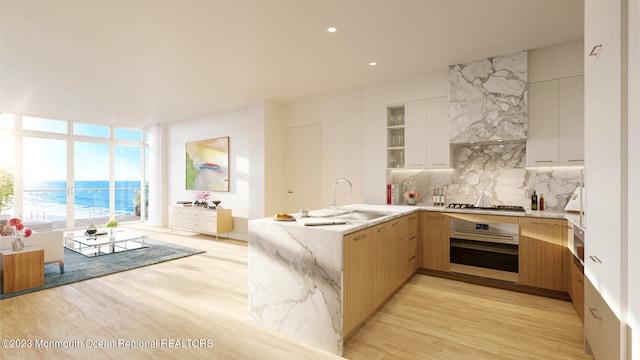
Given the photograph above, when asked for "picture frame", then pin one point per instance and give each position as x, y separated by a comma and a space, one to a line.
207, 164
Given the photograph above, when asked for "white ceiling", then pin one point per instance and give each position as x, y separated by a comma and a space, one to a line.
148, 61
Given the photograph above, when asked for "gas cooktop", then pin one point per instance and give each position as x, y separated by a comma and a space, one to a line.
493, 208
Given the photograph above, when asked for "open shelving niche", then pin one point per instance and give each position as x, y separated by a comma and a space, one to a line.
395, 137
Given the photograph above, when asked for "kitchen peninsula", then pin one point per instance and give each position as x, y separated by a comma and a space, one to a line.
296, 275
301, 277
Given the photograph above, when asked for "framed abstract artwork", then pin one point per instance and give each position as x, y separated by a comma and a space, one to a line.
208, 164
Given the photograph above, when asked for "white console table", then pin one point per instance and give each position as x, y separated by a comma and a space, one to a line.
201, 219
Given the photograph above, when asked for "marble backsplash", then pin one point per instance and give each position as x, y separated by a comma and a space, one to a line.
499, 170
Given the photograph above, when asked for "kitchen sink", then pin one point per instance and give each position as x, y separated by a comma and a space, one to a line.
359, 215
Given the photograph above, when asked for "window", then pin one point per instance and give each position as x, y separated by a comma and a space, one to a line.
46, 125
99, 131
7, 121
128, 134
73, 173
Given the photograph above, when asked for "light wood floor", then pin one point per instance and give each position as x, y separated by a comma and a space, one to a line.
205, 297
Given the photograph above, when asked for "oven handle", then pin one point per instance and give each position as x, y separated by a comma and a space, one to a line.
504, 239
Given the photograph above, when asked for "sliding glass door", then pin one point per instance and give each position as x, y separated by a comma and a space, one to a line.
91, 191
129, 198
44, 170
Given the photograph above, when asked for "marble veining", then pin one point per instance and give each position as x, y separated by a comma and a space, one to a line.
488, 99
500, 171
295, 282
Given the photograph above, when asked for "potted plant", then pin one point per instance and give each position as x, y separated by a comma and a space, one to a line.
111, 225
6, 188
137, 200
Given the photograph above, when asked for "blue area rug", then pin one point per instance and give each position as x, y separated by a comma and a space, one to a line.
78, 267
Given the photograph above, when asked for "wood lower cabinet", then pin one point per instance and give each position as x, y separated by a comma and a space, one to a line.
384, 253
376, 261
409, 247
567, 234
435, 241
541, 253
357, 280
201, 220
601, 326
577, 289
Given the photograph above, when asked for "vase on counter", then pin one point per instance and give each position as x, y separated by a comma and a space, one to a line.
17, 244
411, 201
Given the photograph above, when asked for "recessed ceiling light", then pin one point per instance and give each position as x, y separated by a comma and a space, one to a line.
332, 29
372, 63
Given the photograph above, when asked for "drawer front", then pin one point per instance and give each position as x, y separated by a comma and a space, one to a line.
188, 223
209, 226
577, 290
601, 326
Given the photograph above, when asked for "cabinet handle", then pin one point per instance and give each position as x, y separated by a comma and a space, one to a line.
569, 227
595, 259
397, 223
579, 160
544, 224
578, 278
544, 161
595, 50
412, 238
357, 238
411, 258
594, 313
437, 164
383, 229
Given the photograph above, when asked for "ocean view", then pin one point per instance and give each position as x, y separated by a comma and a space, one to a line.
48, 199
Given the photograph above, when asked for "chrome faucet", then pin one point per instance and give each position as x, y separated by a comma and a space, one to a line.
333, 204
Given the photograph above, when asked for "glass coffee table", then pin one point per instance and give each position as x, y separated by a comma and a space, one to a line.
103, 243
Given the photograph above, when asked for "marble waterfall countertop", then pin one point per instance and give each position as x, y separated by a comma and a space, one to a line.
295, 274
295, 271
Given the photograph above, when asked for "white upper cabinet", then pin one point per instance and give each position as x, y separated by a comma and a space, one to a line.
415, 117
602, 19
417, 134
438, 148
556, 118
542, 139
571, 121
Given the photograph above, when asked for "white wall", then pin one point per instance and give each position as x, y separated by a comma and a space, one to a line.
245, 128
633, 250
272, 168
341, 118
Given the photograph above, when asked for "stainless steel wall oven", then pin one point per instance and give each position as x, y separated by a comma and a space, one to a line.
478, 247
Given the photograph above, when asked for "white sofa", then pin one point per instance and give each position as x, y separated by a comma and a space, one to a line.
51, 241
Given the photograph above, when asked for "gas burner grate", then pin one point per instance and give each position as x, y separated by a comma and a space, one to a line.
493, 208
